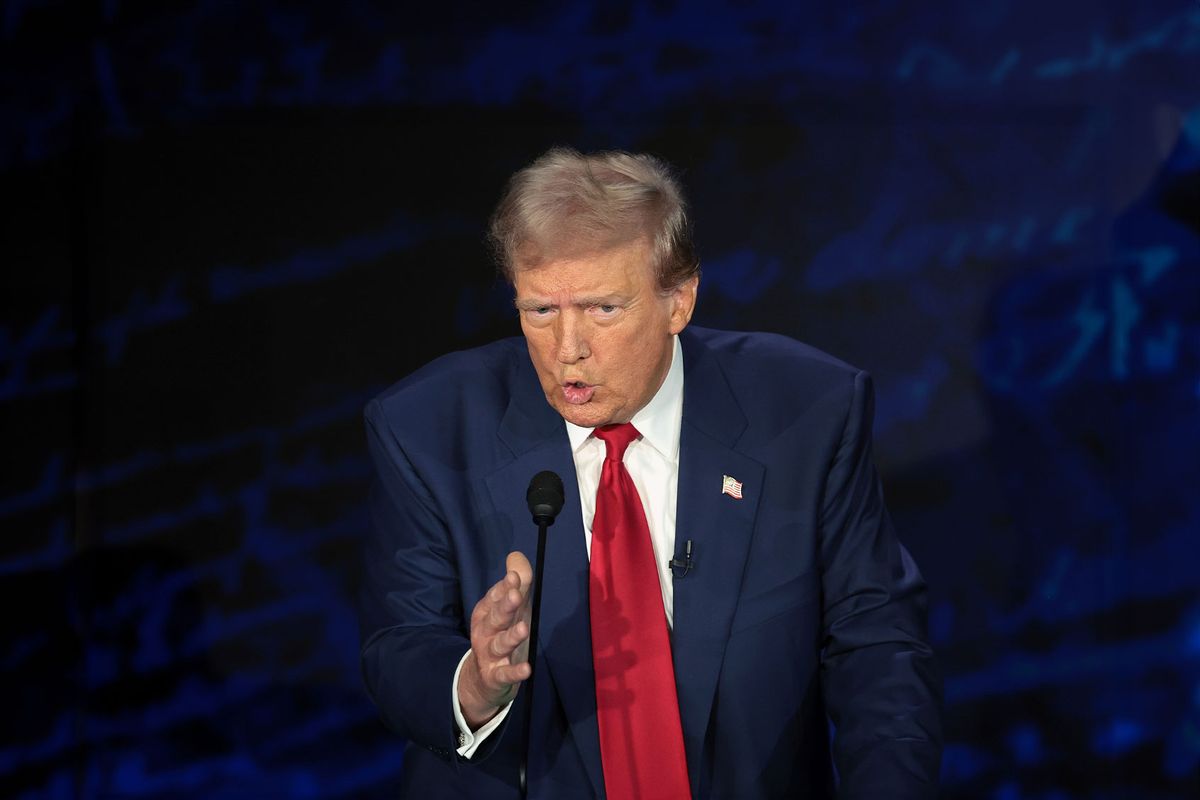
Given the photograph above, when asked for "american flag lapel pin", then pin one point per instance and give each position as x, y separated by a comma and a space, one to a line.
731, 486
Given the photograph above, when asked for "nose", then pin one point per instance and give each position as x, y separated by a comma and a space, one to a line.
572, 338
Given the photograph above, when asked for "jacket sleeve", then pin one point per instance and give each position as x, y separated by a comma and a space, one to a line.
411, 618
881, 684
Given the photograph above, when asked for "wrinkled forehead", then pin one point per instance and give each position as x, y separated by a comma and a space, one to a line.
620, 266
575, 244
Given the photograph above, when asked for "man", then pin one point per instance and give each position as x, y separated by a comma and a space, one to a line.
734, 468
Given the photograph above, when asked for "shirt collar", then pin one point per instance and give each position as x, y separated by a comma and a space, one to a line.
659, 420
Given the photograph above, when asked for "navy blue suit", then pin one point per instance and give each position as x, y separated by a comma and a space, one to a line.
801, 603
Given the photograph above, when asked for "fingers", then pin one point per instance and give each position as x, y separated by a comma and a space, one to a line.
499, 637
503, 601
511, 674
500, 621
505, 643
498, 674
502, 647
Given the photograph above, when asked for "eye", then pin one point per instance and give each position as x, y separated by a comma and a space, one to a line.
538, 315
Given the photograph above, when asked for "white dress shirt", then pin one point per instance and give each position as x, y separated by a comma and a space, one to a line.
653, 464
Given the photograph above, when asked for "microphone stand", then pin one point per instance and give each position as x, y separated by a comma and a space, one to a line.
545, 499
535, 613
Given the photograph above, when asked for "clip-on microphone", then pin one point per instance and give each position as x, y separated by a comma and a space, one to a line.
684, 563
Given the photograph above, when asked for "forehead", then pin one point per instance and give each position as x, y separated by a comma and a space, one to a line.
625, 268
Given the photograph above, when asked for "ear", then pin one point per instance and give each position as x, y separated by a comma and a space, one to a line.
683, 303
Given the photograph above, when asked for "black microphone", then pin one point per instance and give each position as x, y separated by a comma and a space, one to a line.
545, 499
684, 563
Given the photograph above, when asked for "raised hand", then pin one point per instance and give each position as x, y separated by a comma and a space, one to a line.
499, 658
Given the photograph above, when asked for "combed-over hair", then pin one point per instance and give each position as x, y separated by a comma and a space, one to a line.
567, 204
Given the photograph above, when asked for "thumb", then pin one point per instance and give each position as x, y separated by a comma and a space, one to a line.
518, 563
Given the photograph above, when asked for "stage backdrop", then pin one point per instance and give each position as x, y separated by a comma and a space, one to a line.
228, 225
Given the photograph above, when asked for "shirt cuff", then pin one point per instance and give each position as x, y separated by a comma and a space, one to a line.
469, 742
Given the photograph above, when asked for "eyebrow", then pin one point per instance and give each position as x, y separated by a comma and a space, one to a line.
531, 303
601, 300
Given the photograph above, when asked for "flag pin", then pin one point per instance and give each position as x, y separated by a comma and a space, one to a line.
731, 486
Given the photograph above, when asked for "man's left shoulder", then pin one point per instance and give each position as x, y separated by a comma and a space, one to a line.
776, 382
754, 358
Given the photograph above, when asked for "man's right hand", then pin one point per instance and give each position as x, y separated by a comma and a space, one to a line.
499, 658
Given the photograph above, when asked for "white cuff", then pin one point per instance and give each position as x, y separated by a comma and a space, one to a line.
469, 742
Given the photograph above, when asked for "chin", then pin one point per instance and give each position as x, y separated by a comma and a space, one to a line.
583, 420
584, 416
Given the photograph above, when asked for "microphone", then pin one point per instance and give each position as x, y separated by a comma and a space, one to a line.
545, 499
684, 563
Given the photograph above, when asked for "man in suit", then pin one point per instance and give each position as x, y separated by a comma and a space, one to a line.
734, 468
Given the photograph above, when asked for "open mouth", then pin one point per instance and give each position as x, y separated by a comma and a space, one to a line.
578, 392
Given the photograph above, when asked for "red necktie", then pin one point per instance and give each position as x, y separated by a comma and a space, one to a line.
641, 739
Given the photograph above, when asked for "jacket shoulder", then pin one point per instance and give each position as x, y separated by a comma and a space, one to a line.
757, 358
455, 392
779, 384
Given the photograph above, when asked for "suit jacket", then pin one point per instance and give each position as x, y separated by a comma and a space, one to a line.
803, 616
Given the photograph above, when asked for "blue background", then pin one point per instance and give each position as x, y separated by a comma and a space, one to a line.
229, 225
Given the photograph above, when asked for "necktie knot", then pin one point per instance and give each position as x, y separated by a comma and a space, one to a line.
616, 439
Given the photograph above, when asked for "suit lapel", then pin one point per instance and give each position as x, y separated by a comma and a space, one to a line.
720, 529
536, 435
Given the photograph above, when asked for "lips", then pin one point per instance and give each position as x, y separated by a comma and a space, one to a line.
577, 392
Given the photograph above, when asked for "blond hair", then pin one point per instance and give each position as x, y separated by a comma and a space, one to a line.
566, 204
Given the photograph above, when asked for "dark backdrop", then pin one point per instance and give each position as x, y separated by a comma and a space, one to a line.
229, 225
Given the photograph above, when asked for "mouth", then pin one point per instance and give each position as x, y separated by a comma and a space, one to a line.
577, 392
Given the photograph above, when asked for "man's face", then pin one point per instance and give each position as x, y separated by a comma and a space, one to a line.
599, 331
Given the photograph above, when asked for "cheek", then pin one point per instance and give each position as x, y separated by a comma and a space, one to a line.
540, 348
627, 358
